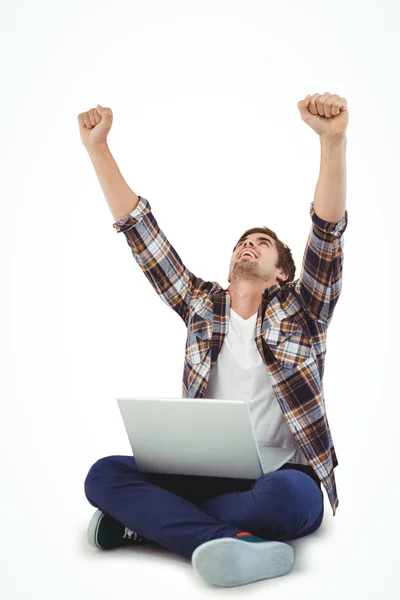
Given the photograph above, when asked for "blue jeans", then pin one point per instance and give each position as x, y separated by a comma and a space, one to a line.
180, 512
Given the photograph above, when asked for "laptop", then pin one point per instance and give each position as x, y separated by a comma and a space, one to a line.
196, 436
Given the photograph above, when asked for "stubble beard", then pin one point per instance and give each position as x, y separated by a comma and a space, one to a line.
247, 271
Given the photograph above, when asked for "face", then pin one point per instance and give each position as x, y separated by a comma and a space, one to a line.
261, 266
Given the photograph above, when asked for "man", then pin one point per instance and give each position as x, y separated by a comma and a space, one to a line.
263, 339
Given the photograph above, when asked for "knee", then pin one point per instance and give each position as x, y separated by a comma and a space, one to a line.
293, 493
94, 476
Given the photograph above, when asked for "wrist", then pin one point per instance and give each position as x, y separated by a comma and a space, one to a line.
333, 141
97, 147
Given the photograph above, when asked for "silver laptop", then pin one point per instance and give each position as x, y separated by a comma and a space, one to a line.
195, 436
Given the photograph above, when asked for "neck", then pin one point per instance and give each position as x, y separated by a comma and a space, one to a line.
246, 296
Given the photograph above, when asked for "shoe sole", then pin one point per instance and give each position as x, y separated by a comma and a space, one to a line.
230, 562
93, 529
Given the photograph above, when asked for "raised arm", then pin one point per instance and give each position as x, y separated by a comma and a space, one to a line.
157, 258
94, 127
320, 280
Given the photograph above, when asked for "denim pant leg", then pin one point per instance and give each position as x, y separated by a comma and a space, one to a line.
154, 505
283, 505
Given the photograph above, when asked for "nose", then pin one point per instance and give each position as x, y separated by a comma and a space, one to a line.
246, 244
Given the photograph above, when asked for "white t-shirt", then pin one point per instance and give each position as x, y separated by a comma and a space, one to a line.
240, 374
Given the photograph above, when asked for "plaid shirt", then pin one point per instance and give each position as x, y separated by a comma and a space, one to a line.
290, 332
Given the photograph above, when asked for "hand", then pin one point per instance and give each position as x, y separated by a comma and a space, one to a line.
94, 125
327, 114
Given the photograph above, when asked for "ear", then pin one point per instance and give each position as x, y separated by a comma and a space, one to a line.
282, 276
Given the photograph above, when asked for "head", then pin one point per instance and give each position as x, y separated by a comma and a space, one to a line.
274, 262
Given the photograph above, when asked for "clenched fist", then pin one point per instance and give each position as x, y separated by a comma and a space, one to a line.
94, 125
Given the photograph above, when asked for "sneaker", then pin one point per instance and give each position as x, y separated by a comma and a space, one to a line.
233, 561
106, 533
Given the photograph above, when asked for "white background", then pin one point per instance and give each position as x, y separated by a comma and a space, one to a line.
206, 127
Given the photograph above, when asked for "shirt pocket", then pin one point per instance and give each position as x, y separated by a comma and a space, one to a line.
198, 343
288, 342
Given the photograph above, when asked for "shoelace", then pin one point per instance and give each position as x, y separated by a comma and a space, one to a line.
128, 534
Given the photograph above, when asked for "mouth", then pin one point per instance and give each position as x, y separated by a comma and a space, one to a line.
248, 257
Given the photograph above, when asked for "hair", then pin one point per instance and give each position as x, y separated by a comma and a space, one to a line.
285, 259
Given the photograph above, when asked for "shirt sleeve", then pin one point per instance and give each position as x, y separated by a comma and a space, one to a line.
158, 259
320, 282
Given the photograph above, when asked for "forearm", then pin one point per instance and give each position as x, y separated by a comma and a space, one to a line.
330, 192
120, 198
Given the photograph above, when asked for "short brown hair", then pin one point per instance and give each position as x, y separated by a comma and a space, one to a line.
285, 259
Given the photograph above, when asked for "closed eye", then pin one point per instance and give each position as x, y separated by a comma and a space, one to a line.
262, 242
